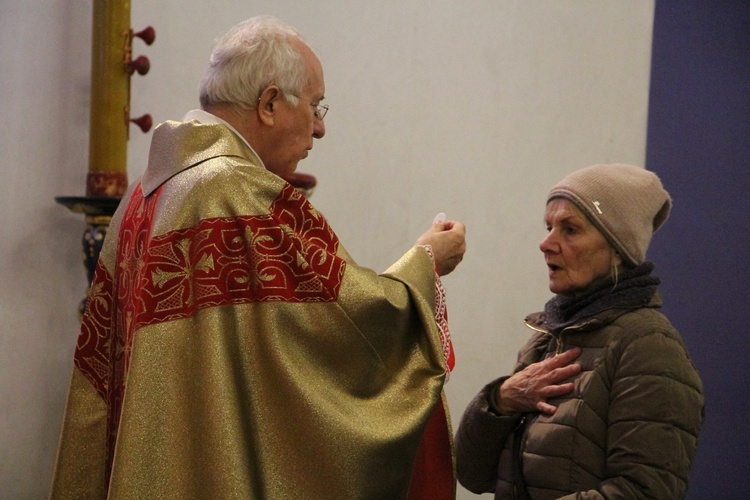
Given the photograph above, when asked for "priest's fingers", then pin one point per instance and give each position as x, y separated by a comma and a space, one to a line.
448, 242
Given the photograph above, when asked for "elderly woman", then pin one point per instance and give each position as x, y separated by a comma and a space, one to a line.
604, 401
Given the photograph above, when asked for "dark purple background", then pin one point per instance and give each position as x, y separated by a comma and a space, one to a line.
699, 144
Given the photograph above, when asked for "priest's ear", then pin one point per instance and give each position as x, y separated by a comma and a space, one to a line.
268, 103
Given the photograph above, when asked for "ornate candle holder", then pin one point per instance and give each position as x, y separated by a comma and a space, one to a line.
98, 212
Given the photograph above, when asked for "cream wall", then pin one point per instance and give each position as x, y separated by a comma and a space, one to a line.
473, 108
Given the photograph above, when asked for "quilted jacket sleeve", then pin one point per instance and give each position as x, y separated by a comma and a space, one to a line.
479, 442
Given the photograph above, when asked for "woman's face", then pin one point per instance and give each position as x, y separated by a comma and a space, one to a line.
577, 254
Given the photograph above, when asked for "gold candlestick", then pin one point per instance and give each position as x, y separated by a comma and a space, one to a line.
111, 68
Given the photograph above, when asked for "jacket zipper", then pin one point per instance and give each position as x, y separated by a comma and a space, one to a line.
518, 487
558, 340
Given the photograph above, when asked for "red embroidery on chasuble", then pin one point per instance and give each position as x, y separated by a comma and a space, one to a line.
441, 318
92, 350
287, 255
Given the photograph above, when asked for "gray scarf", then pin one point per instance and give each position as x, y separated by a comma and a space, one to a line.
634, 289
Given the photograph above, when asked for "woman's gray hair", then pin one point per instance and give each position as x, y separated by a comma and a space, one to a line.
251, 56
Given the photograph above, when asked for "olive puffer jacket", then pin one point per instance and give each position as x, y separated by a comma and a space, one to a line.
628, 430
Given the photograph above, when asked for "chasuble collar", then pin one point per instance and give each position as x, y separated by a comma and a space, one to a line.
177, 146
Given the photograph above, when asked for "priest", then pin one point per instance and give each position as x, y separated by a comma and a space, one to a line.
231, 347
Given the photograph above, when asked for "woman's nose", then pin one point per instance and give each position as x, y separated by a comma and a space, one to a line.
547, 242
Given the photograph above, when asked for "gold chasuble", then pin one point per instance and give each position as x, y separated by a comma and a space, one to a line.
231, 348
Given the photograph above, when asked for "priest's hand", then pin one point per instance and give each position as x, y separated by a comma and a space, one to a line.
448, 242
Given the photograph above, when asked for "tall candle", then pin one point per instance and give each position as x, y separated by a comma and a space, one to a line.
110, 88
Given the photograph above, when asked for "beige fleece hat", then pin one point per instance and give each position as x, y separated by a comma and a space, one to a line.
626, 203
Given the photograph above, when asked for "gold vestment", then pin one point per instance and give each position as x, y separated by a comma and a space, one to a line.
231, 348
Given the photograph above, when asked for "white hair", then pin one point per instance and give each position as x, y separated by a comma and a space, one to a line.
251, 56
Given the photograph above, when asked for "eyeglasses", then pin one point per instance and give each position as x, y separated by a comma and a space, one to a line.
320, 109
